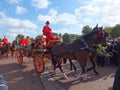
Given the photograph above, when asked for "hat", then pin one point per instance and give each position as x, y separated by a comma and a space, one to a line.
47, 22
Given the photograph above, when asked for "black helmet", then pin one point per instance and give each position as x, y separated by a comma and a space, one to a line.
47, 22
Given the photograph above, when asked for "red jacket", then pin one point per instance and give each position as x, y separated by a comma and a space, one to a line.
23, 42
48, 33
5, 41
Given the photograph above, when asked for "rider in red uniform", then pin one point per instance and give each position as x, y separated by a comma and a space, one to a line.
23, 42
49, 36
48, 33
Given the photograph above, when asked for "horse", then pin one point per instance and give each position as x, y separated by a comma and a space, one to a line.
92, 59
79, 49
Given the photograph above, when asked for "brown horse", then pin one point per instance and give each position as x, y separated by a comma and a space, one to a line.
81, 48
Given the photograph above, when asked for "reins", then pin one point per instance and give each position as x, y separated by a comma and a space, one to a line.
73, 50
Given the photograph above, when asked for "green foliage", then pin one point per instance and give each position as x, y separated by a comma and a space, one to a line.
115, 31
86, 29
55, 34
108, 29
66, 38
18, 37
32, 39
0, 39
69, 37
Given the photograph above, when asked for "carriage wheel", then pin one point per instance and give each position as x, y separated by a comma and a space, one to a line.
19, 56
38, 64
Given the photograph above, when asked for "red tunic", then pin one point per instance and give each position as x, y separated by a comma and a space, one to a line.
48, 33
23, 42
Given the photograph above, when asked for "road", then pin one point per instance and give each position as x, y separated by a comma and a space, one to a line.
23, 77
20, 77
102, 82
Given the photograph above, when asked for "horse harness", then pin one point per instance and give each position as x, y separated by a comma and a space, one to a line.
85, 46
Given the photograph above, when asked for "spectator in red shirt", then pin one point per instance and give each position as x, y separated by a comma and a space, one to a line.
5, 41
47, 31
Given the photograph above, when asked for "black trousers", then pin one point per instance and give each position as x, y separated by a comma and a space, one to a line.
100, 60
116, 84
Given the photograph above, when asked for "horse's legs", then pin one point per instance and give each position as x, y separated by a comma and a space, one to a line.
83, 69
93, 67
60, 67
58, 64
84, 75
72, 65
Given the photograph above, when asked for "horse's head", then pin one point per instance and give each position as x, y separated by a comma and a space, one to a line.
97, 35
101, 35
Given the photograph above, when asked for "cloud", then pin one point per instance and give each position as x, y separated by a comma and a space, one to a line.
40, 4
16, 23
20, 10
87, 10
111, 13
105, 12
77, 28
53, 17
13, 1
12, 33
17, 26
2, 15
67, 19
87, 20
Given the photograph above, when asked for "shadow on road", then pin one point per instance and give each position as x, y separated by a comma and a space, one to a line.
107, 72
20, 77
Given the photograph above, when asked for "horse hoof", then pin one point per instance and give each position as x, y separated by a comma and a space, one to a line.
85, 79
75, 69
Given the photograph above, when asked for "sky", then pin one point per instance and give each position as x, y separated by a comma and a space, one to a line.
28, 17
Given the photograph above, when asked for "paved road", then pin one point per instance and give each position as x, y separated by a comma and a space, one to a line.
102, 82
20, 77
23, 77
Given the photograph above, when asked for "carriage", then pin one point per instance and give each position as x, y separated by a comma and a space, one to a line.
5, 50
38, 52
79, 50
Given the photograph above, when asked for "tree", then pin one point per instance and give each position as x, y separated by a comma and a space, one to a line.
32, 39
86, 29
69, 37
0, 39
66, 38
18, 37
115, 31
108, 30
